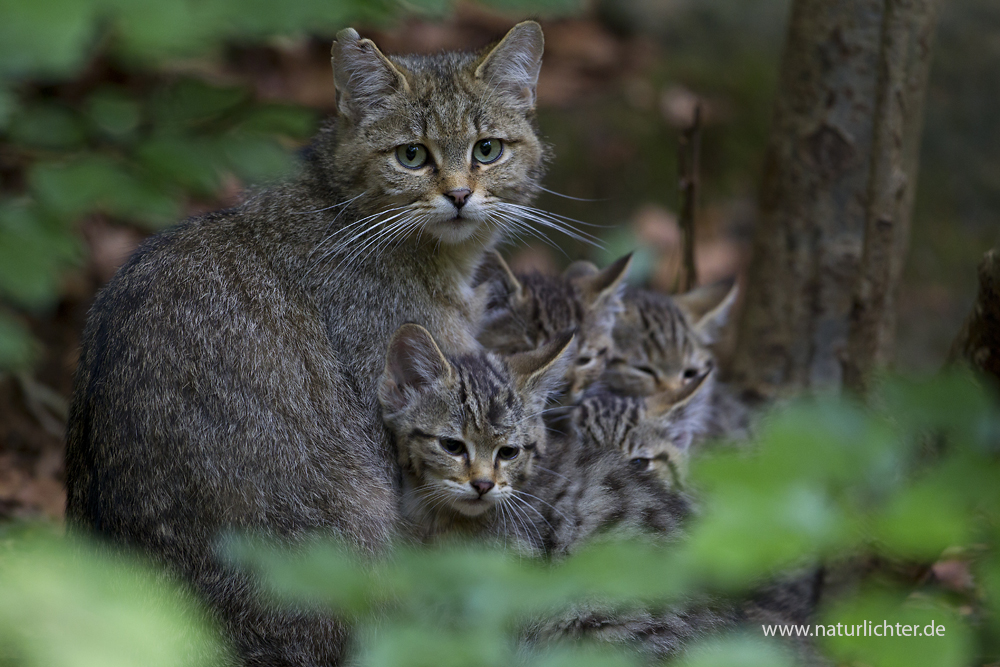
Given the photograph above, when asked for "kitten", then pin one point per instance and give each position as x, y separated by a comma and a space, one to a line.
524, 312
662, 345
466, 429
475, 458
228, 373
654, 433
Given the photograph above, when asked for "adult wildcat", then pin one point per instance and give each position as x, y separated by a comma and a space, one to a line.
227, 378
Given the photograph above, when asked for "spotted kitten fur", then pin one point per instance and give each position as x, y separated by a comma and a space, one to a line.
525, 311
475, 459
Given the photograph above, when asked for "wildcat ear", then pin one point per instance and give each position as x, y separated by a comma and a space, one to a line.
663, 404
708, 307
540, 372
362, 75
602, 285
513, 64
413, 363
495, 270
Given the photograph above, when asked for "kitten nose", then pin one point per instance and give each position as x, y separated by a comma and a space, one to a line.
458, 196
481, 485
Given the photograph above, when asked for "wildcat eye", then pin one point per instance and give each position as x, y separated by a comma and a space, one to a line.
452, 446
508, 453
487, 150
411, 156
640, 463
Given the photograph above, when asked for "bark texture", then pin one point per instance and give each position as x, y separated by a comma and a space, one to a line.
904, 62
812, 210
978, 344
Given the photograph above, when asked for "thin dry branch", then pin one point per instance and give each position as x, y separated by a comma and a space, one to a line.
904, 57
689, 164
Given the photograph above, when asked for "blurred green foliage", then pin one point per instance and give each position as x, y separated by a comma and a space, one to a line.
827, 481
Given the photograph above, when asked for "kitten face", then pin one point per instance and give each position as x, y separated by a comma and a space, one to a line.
466, 428
661, 343
654, 433
439, 145
526, 312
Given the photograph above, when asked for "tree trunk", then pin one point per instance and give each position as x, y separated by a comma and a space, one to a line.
793, 334
904, 62
812, 209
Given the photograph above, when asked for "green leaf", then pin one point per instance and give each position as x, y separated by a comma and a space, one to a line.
65, 606
46, 125
737, 651
45, 38
922, 521
114, 112
8, 105
191, 163
256, 159
861, 615
33, 255
17, 349
190, 102
95, 182
283, 119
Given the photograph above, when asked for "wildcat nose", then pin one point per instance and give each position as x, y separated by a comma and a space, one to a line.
481, 485
458, 196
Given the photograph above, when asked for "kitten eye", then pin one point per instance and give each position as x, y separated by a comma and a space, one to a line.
640, 463
690, 373
487, 150
452, 446
583, 361
647, 370
411, 156
508, 453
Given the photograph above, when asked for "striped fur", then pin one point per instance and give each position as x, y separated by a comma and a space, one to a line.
653, 433
525, 311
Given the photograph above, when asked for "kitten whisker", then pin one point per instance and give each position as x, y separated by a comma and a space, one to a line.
543, 502
529, 506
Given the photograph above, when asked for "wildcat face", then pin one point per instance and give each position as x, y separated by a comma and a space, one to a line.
654, 433
466, 429
528, 311
442, 145
661, 342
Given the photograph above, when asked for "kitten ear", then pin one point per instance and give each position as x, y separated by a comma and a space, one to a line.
362, 75
413, 363
579, 269
495, 270
540, 372
661, 405
512, 65
708, 307
602, 286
